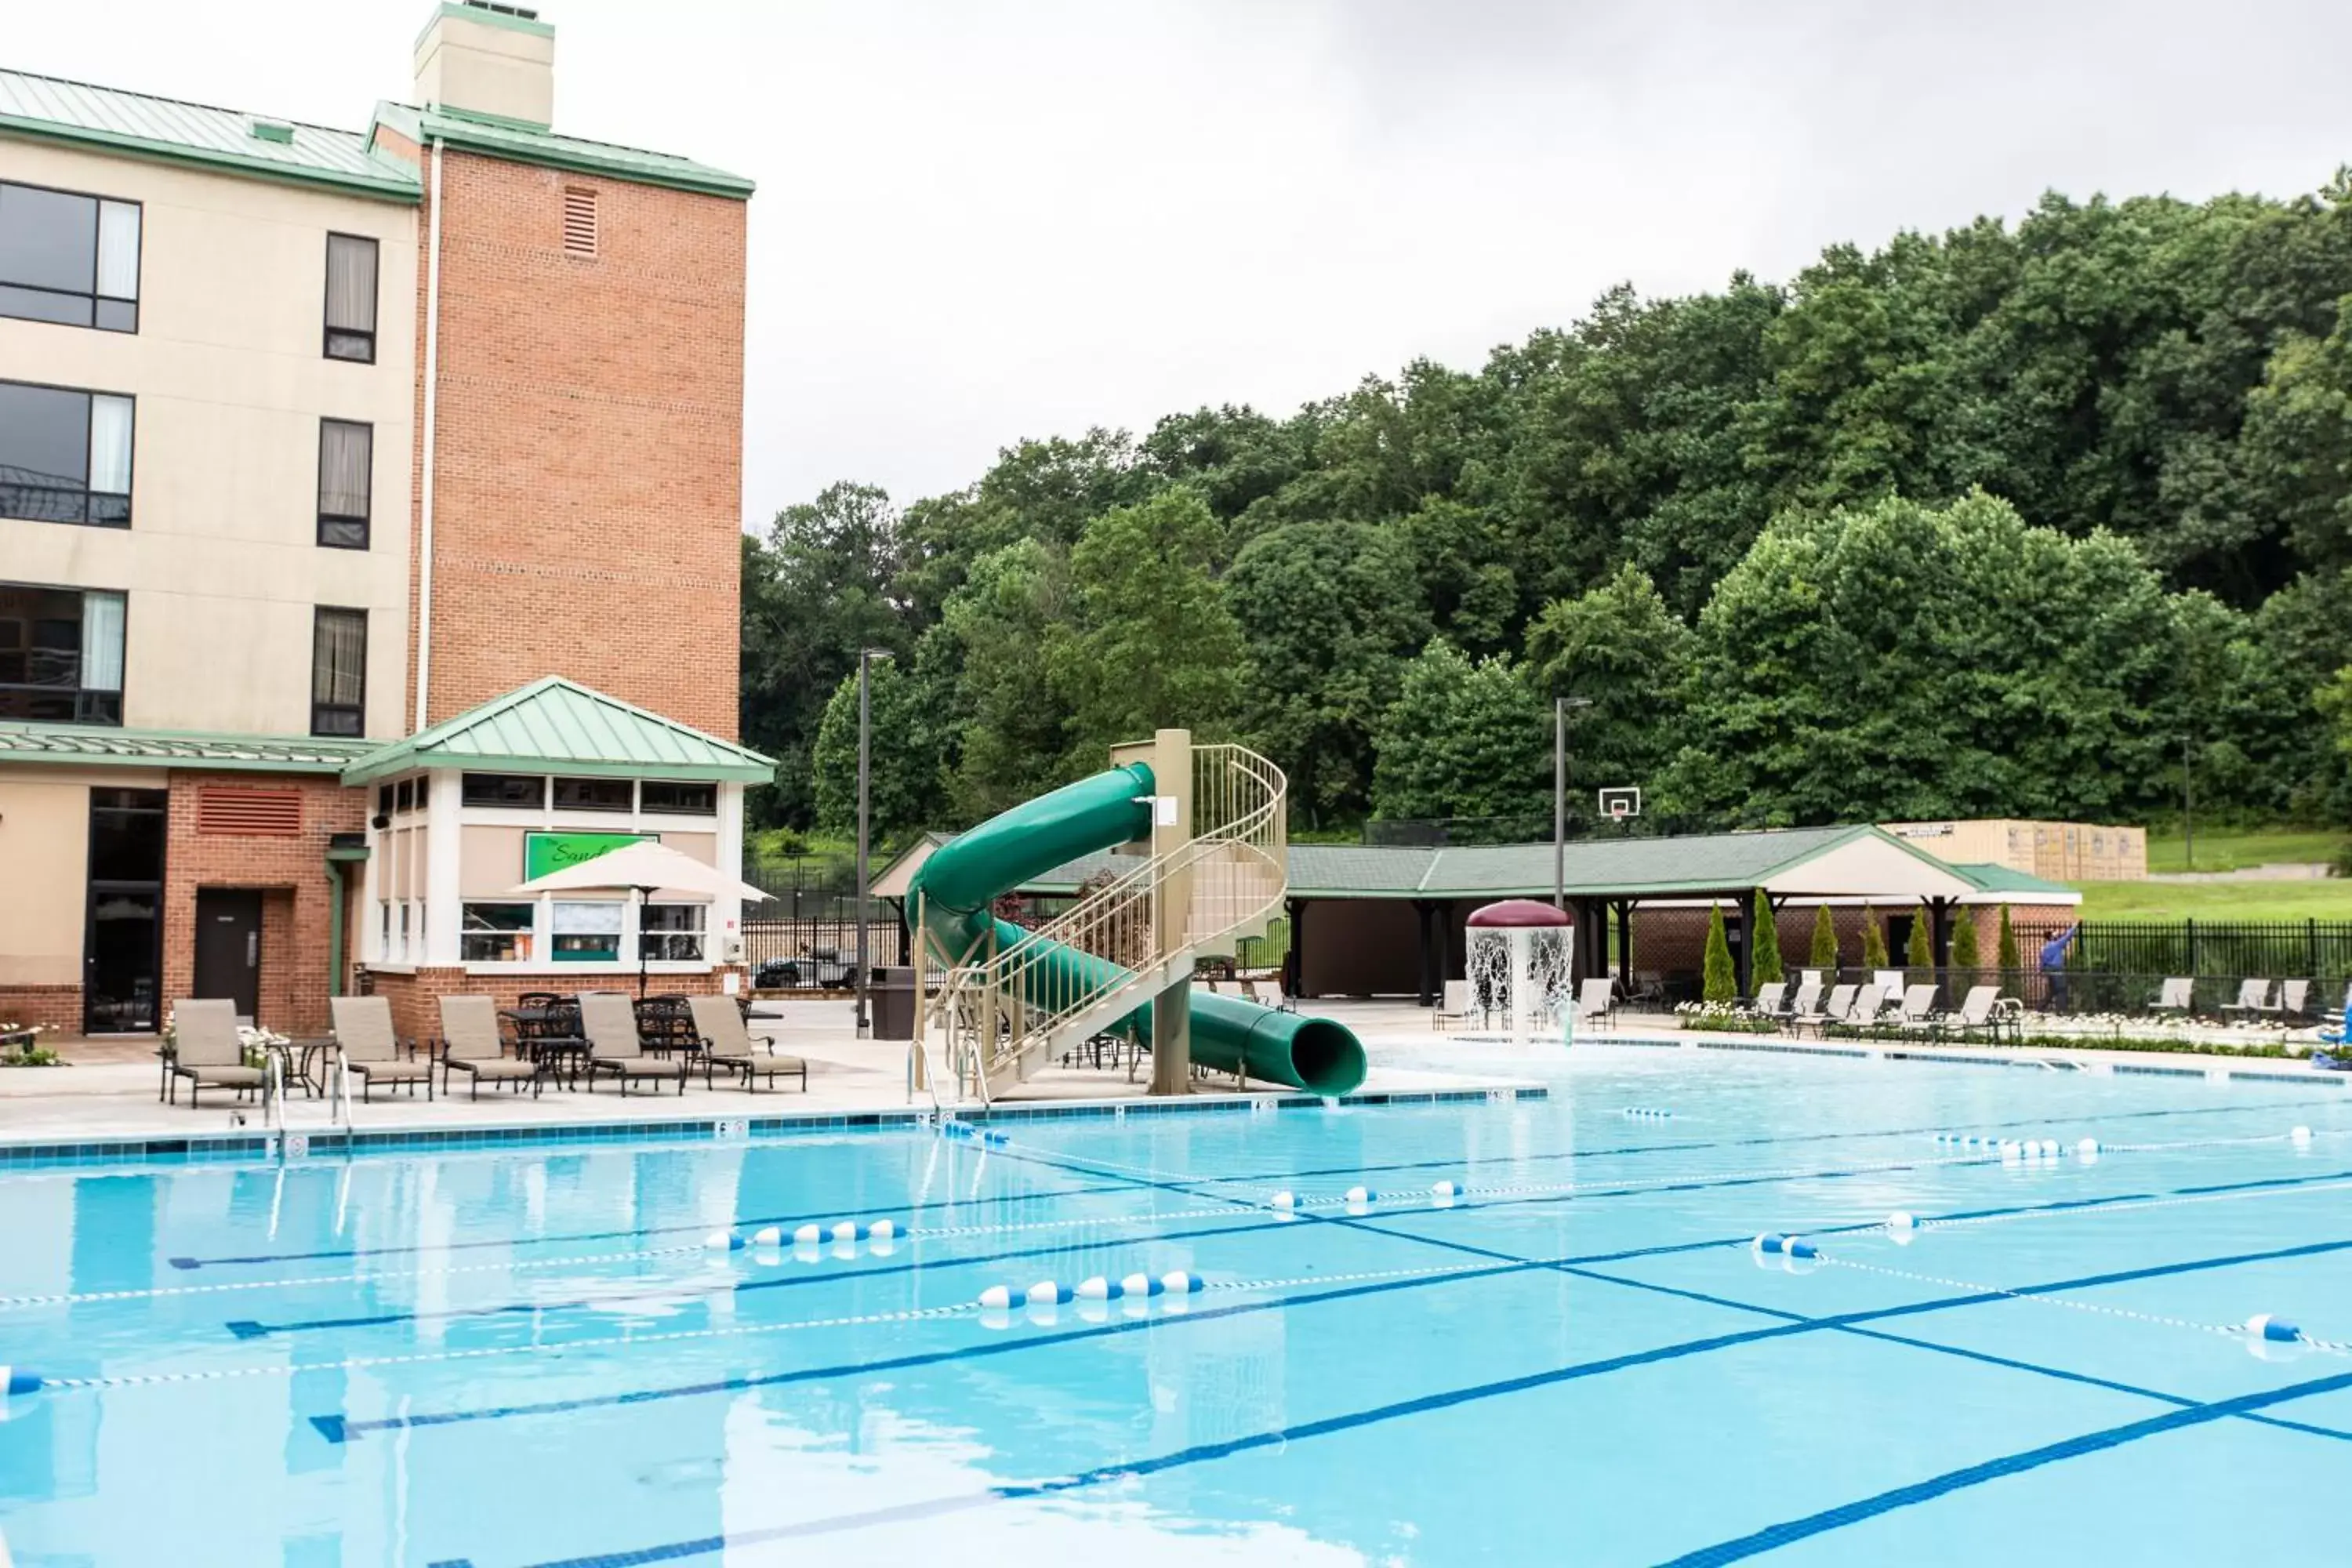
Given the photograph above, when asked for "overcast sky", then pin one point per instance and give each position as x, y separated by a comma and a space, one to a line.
984, 219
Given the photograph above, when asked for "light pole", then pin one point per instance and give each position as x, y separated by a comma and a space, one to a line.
2188, 810
1560, 707
865, 658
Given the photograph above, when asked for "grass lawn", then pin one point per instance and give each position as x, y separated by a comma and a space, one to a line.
2229, 848
2330, 899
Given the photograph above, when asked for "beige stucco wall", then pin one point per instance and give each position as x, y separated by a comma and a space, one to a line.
45, 848
221, 561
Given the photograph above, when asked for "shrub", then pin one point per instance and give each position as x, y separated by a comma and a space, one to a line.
1919, 953
1825, 947
1764, 962
1965, 953
2010, 964
1721, 983
1873, 939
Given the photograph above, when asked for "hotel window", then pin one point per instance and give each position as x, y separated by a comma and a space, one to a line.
68, 259
61, 655
681, 799
495, 933
521, 792
671, 932
593, 794
585, 933
346, 452
350, 298
339, 672
65, 456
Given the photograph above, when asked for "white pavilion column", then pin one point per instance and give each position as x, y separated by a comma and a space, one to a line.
444, 839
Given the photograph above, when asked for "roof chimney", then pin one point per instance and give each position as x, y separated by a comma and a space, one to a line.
483, 57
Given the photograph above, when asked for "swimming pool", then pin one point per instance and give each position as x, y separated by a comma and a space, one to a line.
530, 1356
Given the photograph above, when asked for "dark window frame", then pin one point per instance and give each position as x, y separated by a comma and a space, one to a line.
467, 795
98, 228
86, 708
558, 803
88, 438
646, 806
357, 711
327, 332
367, 498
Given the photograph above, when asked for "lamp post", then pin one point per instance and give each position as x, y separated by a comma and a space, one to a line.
865, 658
2188, 810
1560, 707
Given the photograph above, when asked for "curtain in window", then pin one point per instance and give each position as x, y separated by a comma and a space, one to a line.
343, 454
101, 642
338, 659
350, 284
117, 250
110, 446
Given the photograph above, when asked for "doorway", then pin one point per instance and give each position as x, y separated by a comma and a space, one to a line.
123, 936
229, 946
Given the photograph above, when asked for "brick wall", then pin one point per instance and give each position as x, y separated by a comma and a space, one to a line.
1676, 939
415, 997
56, 1007
290, 870
588, 470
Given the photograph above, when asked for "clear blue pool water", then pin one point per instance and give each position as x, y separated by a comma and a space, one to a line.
526, 1357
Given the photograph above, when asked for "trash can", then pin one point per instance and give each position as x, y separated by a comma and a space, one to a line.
891, 995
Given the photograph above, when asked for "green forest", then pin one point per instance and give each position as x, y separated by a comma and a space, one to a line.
2018, 519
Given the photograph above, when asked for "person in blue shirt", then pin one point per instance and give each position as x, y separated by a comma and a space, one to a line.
2053, 964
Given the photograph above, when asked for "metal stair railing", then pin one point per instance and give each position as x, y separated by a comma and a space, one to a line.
1002, 1007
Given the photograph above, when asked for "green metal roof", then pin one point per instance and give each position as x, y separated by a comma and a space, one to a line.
529, 144
554, 725
141, 125
88, 746
1995, 877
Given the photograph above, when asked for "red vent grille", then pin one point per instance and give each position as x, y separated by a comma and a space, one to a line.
249, 813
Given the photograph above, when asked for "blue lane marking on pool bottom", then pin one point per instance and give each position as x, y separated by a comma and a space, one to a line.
1773, 1537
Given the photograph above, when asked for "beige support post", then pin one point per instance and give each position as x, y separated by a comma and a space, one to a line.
918, 1071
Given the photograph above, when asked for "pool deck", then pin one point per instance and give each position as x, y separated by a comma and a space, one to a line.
110, 1089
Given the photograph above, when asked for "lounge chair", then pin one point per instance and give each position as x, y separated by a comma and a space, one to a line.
727, 1044
470, 1044
1914, 1013
1596, 998
1840, 1002
2176, 995
2293, 1000
1869, 1002
364, 1034
207, 1049
1459, 1006
1985, 1011
1765, 1003
2254, 999
615, 1048
1270, 993
1803, 1005
1890, 982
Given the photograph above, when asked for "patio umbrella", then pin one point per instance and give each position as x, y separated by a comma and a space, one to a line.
642, 867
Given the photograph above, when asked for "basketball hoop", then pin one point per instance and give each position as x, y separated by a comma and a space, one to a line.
1621, 803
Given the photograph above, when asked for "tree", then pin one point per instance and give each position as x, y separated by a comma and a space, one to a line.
1873, 939
905, 786
1824, 955
1154, 644
1462, 740
1331, 614
1764, 961
1965, 950
2005, 948
1919, 951
1719, 981
1009, 726
1622, 649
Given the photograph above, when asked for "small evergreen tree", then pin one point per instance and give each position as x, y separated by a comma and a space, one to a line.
1873, 939
1825, 946
2008, 954
1721, 983
1919, 953
1965, 953
1764, 962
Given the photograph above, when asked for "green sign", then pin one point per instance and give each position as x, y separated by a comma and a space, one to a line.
545, 852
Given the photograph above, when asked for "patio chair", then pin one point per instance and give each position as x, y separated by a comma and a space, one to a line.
1985, 1011
470, 1044
2176, 995
1840, 1004
1804, 1006
1915, 1011
726, 1043
1596, 998
1270, 993
2253, 998
207, 1049
2293, 1000
1459, 1005
1765, 1003
370, 1048
1869, 1002
1890, 982
610, 1026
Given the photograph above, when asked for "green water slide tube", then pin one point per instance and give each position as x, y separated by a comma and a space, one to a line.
963, 879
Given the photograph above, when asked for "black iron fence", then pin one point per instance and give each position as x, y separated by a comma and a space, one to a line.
820, 952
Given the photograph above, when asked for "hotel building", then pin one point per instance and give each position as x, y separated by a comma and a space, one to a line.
370, 505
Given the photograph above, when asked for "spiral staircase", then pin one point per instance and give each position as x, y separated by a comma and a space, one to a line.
1004, 1012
